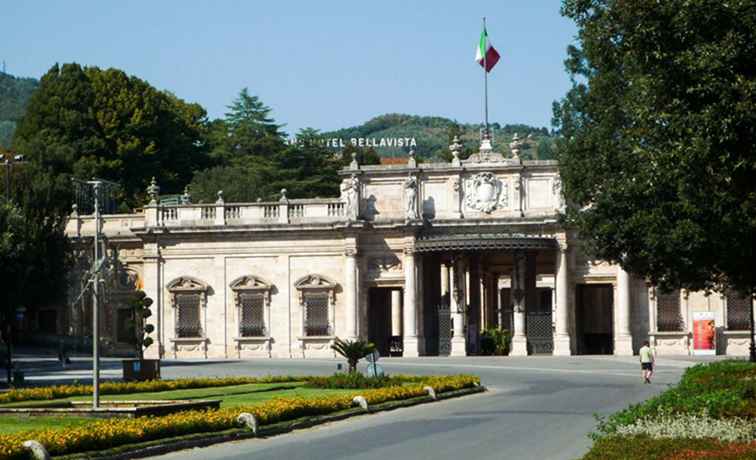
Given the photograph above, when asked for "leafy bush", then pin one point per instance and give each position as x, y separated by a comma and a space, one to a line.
353, 380
720, 389
495, 341
728, 429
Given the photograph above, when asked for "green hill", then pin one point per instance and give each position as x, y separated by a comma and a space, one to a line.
14, 94
432, 136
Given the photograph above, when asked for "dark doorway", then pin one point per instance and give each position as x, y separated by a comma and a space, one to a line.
379, 319
594, 319
538, 324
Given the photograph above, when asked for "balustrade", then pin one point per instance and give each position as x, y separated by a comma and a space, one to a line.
292, 211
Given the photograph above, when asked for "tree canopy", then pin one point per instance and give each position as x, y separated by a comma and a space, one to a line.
253, 160
90, 122
34, 250
657, 138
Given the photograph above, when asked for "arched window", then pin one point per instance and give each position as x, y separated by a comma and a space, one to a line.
188, 298
317, 295
252, 299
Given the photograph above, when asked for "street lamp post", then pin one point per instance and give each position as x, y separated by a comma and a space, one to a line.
98, 187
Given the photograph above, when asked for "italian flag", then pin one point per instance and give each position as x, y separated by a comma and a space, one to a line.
485, 54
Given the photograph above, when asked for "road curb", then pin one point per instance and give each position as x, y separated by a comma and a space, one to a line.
167, 445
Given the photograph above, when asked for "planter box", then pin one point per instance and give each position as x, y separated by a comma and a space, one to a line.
140, 370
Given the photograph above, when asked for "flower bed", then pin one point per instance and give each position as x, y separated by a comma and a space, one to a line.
711, 413
116, 432
115, 388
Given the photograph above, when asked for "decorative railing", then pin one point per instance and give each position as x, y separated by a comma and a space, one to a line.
261, 213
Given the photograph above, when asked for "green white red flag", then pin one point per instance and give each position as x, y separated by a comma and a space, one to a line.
485, 54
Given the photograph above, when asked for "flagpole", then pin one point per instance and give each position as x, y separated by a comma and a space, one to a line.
485, 79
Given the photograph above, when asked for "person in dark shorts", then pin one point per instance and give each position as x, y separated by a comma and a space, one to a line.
647, 362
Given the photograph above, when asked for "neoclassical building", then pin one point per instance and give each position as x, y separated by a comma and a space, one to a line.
419, 258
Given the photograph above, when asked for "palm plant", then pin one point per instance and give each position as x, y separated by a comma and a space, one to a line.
352, 351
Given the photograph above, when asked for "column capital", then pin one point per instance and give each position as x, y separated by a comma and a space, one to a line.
409, 251
350, 252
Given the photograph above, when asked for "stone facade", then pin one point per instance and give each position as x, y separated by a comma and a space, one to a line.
405, 252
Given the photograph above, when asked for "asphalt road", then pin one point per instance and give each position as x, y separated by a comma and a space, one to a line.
537, 408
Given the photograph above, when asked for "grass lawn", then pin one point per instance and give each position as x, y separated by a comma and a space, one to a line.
15, 423
230, 396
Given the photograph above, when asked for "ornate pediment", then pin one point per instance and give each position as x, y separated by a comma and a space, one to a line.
315, 283
187, 283
250, 283
485, 192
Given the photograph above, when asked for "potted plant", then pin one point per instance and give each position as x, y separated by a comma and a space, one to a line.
353, 351
140, 368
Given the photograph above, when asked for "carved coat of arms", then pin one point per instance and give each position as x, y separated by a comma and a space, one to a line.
484, 192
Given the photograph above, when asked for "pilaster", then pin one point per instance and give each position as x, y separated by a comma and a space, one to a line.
623, 340
562, 345
519, 340
411, 343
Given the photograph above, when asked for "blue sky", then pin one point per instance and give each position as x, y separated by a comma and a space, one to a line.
322, 64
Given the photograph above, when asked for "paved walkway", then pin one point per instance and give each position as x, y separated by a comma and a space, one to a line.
538, 407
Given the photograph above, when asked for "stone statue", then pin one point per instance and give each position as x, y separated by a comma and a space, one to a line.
410, 198
350, 194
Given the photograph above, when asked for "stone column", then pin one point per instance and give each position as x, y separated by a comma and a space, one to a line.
410, 340
651, 314
562, 346
623, 340
350, 294
519, 341
396, 313
497, 302
458, 342
444, 283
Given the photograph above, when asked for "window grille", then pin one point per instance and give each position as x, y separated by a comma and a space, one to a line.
252, 322
738, 314
188, 315
668, 314
316, 314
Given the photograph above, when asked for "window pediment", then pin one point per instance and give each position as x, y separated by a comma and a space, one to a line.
187, 283
314, 283
251, 284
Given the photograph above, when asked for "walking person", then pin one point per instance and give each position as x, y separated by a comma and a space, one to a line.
647, 362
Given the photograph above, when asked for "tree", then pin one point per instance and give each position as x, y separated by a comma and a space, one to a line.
545, 151
308, 168
246, 130
353, 351
657, 135
364, 156
34, 250
90, 122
